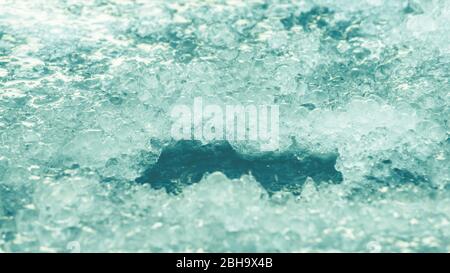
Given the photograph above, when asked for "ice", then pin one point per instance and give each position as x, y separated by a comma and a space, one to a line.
134, 218
86, 90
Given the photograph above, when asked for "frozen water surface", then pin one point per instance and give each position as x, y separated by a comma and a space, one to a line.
86, 89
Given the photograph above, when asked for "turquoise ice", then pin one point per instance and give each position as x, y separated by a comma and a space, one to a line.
86, 89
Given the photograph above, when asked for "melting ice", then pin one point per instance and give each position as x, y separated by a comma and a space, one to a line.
86, 159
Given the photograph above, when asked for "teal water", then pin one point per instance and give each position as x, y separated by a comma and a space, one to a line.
87, 162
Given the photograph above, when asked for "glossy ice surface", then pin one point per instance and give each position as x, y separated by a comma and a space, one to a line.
86, 89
